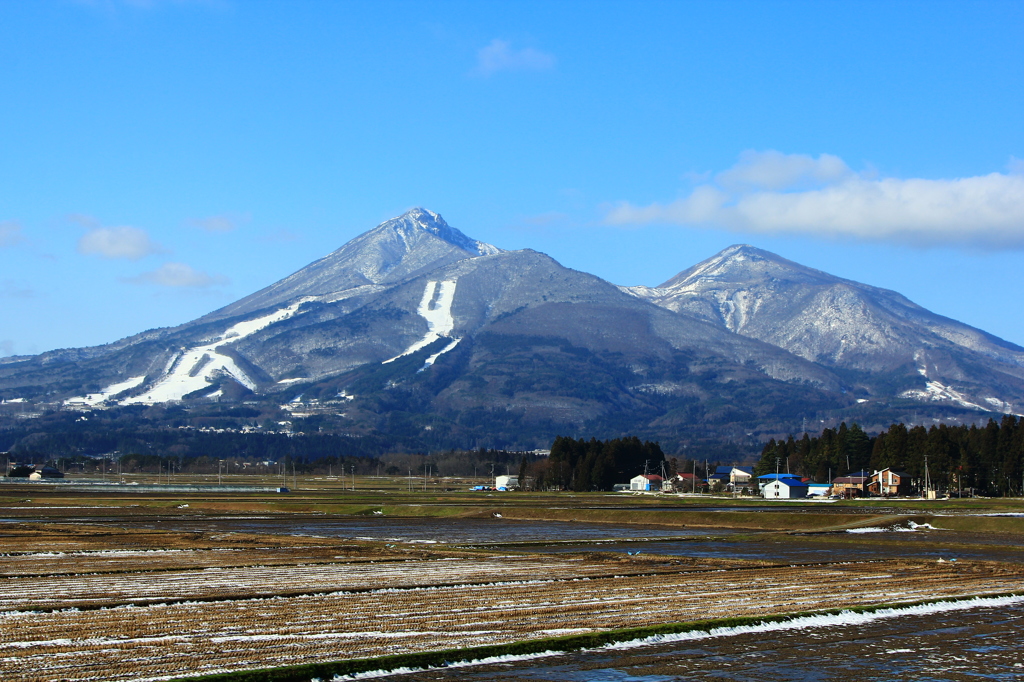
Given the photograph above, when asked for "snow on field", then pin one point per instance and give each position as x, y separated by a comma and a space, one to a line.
436, 308
261, 616
845, 618
826, 620
909, 528
197, 367
108, 392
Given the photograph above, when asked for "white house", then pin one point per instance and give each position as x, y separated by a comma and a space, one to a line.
818, 489
649, 482
784, 489
506, 482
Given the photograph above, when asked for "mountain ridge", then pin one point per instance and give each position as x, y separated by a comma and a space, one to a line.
413, 320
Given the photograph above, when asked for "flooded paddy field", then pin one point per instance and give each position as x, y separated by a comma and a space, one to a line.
431, 530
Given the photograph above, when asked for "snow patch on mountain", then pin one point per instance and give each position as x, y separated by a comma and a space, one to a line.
935, 391
107, 393
198, 367
429, 361
436, 308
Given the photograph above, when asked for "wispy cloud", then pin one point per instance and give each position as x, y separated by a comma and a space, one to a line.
11, 289
499, 55
10, 234
6, 347
125, 241
226, 222
775, 193
280, 236
180, 275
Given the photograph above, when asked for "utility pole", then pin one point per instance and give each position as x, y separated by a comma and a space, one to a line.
927, 479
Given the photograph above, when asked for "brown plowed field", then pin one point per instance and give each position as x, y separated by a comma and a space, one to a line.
232, 602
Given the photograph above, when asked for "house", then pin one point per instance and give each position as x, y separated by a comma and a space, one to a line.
762, 481
648, 482
683, 483
818, 489
506, 482
719, 481
38, 474
737, 475
887, 483
781, 487
854, 484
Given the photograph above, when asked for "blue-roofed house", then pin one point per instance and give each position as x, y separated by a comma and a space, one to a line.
718, 481
819, 489
782, 487
732, 478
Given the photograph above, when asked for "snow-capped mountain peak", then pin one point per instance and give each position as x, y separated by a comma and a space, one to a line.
397, 249
421, 219
742, 262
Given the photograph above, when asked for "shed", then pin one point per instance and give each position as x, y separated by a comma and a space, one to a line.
648, 482
506, 482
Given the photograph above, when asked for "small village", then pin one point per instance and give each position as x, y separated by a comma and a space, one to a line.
741, 481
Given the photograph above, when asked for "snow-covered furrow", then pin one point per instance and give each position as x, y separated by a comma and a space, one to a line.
184, 377
436, 308
105, 394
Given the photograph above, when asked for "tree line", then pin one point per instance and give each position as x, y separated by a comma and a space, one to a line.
987, 459
583, 465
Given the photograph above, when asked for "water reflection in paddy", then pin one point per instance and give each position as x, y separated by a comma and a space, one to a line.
460, 531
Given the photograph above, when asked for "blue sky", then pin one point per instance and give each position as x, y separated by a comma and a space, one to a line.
163, 158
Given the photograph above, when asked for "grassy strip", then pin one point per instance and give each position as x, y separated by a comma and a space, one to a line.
980, 524
566, 644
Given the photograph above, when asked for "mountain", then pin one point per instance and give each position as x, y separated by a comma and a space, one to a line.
877, 336
397, 249
415, 332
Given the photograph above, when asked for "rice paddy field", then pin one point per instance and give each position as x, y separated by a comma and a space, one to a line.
97, 583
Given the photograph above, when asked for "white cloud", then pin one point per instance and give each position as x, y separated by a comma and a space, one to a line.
118, 242
178, 275
777, 193
226, 222
774, 170
499, 55
10, 233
